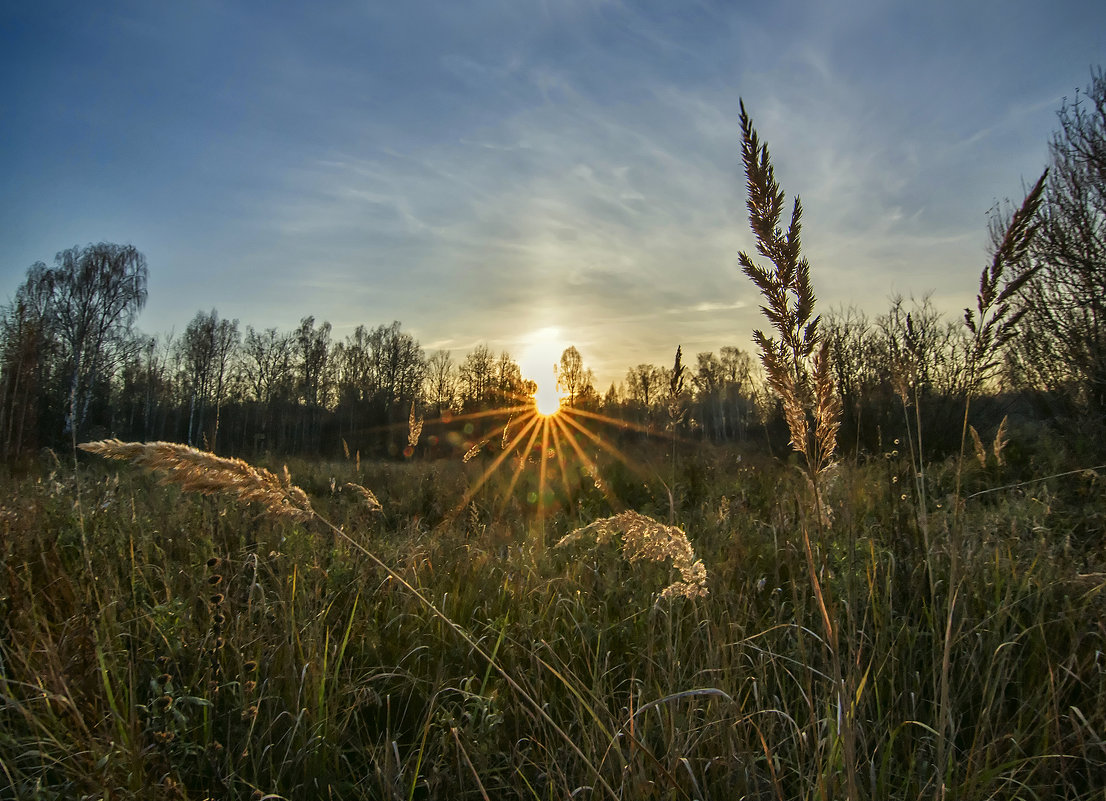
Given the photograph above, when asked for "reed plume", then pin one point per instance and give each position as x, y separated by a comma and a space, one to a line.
203, 472
645, 539
414, 429
366, 495
797, 366
797, 362
997, 314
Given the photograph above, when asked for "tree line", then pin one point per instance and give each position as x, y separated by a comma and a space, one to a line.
73, 366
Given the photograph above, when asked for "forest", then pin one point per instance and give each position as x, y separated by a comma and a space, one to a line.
862, 559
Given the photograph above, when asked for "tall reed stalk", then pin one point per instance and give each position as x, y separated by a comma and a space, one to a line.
797, 368
991, 326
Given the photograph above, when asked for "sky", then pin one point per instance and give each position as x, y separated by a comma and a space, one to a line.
529, 174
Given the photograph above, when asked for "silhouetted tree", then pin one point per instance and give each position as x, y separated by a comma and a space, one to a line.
27, 341
441, 382
97, 291
311, 347
207, 346
510, 389
573, 378
1062, 350
477, 377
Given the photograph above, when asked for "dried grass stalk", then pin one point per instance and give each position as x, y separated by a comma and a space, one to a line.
995, 320
643, 538
203, 472
980, 451
367, 496
797, 368
414, 429
999, 445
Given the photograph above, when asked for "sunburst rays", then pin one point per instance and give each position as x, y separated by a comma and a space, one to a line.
540, 462
555, 452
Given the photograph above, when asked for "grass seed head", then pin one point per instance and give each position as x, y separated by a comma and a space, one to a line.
203, 472
645, 539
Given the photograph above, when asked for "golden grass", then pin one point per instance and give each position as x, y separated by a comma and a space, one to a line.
797, 362
414, 429
203, 472
367, 496
645, 539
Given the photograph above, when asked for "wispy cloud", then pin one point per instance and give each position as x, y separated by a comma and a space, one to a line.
486, 170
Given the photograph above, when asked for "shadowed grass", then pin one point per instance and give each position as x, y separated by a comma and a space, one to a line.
332, 680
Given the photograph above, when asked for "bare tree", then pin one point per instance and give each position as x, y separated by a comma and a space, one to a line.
441, 381
577, 381
98, 291
397, 367
477, 377
267, 356
26, 341
509, 385
643, 384
207, 346
312, 352
1062, 351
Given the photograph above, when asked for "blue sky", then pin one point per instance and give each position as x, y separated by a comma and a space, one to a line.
506, 171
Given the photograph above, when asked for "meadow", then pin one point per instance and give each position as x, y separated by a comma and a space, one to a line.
159, 643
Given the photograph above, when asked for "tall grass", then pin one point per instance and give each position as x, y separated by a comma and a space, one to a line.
307, 671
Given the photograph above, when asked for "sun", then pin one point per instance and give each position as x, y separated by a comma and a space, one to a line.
539, 448
539, 360
547, 398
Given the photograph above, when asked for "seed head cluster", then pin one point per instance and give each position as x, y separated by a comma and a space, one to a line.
644, 538
200, 471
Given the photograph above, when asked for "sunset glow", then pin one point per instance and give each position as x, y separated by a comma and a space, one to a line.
547, 399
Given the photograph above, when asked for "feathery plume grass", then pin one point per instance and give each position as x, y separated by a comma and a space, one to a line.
475, 449
204, 472
995, 319
367, 496
798, 371
414, 429
797, 362
999, 445
980, 451
645, 539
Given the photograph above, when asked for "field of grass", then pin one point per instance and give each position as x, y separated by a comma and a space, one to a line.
160, 644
